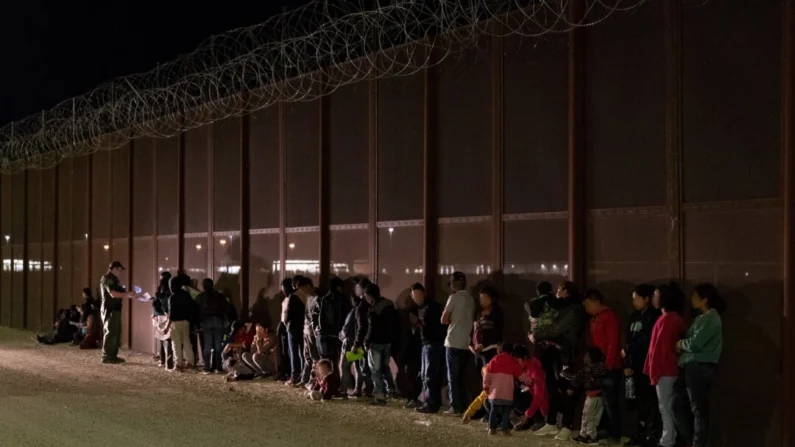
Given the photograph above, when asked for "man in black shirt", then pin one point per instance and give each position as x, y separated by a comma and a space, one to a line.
432, 333
328, 317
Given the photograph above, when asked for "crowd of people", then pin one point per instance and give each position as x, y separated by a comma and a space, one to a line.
341, 345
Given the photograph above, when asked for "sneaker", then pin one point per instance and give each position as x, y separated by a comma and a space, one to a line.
290, 383
392, 395
426, 410
207, 373
452, 411
547, 430
585, 440
492, 431
115, 361
411, 404
378, 402
563, 435
635, 441
506, 432
299, 384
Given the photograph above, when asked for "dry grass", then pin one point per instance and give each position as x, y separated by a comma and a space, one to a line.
58, 395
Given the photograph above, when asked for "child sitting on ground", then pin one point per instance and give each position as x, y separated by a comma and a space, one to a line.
498, 382
325, 384
263, 357
238, 343
590, 379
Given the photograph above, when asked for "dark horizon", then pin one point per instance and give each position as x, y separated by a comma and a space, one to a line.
56, 51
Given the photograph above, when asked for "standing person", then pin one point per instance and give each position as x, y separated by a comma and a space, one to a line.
293, 317
411, 361
700, 352
212, 310
429, 316
281, 331
605, 334
639, 330
661, 365
362, 325
541, 309
559, 340
590, 378
181, 312
112, 295
487, 328
378, 340
308, 294
163, 337
498, 384
328, 317
160, 308
458, 314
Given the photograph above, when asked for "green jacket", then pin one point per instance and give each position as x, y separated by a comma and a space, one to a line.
704, 340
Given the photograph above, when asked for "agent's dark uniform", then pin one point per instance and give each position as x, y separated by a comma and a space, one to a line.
111, 314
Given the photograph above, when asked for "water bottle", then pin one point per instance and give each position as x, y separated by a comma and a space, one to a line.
629, 387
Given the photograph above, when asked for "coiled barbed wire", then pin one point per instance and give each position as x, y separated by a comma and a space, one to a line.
296, 56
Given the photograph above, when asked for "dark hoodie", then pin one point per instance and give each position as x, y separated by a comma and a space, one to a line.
180, 303
212, 303
641, 324
330, 313
430, 316
381, 321
294, 320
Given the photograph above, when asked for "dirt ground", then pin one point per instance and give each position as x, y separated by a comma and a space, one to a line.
59, 395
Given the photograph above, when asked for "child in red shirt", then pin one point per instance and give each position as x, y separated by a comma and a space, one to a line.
325, 384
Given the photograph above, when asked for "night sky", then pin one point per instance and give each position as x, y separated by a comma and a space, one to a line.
53, 50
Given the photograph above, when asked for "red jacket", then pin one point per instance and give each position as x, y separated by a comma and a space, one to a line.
662, 360
606, 335
538, 387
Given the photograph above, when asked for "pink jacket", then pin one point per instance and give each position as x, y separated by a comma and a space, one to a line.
498, 380
538, 387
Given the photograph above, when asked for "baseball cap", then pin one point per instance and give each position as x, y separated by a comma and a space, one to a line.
116, 265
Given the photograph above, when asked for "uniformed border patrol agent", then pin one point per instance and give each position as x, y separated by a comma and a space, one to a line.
112, 295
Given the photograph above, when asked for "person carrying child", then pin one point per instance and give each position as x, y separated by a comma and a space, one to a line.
589, 379
325, 384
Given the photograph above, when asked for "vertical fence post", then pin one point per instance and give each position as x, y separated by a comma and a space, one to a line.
245, 212
181, 202
56, 260
90, 224
673, 135
25, 250
130, 240
576, 125
282, 193
497, 126
429, 183
324, 211
372, 220
788, 156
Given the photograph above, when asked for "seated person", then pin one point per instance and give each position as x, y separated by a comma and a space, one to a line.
88, 336
239, 342
63, 330
325, 384
263, 357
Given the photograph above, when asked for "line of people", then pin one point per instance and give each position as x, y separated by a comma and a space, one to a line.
340, 346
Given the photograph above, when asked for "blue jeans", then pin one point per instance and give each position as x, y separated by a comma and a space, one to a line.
457, 360
295, 344
213, 333
431, 373
499, 415
378, 356
611, 392
364, 377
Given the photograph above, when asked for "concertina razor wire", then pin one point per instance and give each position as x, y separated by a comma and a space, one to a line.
296, 56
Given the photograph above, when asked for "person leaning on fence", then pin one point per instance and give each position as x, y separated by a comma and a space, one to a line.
112, 295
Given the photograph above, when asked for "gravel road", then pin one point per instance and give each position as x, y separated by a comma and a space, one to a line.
59, 395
